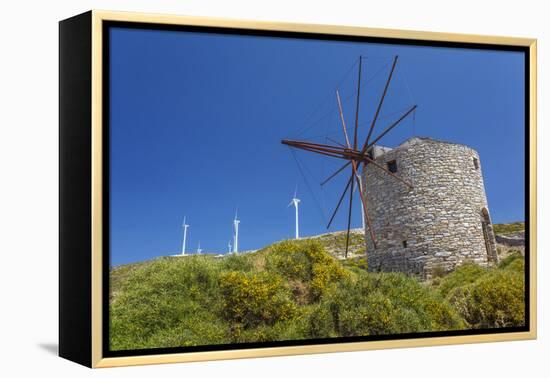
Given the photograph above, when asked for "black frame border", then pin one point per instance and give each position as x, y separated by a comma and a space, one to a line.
105, 77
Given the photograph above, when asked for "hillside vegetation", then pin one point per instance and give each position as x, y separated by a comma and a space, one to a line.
297, 290
507, 228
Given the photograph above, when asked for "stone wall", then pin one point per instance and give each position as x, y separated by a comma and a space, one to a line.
438, 224
514, 239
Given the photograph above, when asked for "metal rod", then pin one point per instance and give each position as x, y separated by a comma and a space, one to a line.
366, 147
316, 147
324, 151
339, 203
331, 154
357, 104
382, 99
335, 173
342, 118
335, 141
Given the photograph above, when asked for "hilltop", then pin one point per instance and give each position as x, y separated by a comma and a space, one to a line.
298, 290
510, 239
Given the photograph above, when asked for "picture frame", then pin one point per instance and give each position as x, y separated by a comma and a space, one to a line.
84, 118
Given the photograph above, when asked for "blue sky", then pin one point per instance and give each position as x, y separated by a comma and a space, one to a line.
197, 119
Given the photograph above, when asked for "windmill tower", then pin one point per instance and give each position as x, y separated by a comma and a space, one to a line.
236, 233
295, 201
185, 226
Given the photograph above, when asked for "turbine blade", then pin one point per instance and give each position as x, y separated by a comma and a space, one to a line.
339, 203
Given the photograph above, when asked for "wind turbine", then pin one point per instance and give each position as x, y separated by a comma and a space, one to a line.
229, 247
360, 187
236, 234
184, 226
295, 201
199, 250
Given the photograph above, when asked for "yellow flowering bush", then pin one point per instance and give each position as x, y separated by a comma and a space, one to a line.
254, 299
305, 261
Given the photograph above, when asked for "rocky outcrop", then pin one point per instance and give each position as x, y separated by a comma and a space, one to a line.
514, 239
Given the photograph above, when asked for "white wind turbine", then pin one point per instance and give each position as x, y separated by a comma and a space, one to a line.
236, 233
360, 185
199, 250
229, 247
185, 226
295, 201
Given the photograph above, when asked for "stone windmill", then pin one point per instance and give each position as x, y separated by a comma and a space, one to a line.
357, 156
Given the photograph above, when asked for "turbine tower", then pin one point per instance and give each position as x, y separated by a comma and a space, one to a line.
360, 186
199, 250
295, 201
184, 226
229, 247
236, 233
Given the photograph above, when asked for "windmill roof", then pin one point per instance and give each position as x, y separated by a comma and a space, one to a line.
427, 139
381, 150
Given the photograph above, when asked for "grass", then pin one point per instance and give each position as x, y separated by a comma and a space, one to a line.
297, 290
508, 228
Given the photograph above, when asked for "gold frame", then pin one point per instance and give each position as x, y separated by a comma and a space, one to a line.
99, 16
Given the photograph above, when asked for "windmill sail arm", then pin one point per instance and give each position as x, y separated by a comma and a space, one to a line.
357, 106
339, 203
342, 118
381, 102
335, 173
387, 130
323, 149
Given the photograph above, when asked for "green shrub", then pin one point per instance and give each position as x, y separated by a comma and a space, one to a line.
255, 299
320, 322
356, 263
494, 300
200, 328
518, 265
305, 261
162, 295
507, 228
463, 275
385, 303
293, 329
514, 261
295, 290
240, 263
438, 271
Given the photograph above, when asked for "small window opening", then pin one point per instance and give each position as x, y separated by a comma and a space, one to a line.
476, 163
404, 244
392, 166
